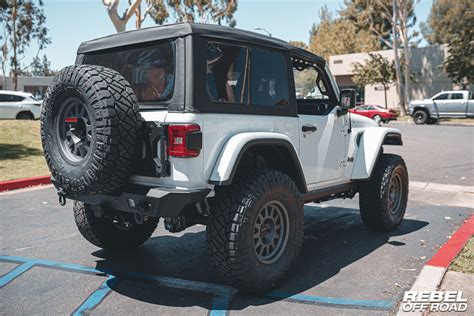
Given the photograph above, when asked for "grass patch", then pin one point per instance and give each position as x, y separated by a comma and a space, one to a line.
464, 262
21, 154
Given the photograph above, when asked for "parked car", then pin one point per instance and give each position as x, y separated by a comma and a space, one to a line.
19, 105
151, 127
446, 104
375, 112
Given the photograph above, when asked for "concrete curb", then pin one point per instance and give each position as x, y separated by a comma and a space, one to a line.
433, 272
445, 123
428, 186
23, 183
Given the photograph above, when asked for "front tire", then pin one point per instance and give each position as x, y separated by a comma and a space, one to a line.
420, 117
25, 116
111, 232
383, 200
256, 230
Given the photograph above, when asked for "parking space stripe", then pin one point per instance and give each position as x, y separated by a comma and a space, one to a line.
97, 297
220, 304
342, 302
16, 272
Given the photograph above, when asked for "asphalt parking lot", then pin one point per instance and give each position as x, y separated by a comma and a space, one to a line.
46, 267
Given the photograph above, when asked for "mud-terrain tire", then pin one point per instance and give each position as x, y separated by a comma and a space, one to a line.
90, 130
420, 117
104, 233
241, 225
383, 200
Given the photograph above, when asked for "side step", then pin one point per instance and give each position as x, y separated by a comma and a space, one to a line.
326, 194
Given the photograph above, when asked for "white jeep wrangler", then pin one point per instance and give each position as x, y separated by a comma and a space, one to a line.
200, 124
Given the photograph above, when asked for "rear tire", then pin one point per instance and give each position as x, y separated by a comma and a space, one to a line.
104, 233
25, 116
256, 230
420, 117
383, 200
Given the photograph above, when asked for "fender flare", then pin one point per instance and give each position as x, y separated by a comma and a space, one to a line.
232, 152
369, 147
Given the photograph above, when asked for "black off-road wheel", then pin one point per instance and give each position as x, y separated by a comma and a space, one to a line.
420, 117
256, 229
383, 200
113, 232
91, 130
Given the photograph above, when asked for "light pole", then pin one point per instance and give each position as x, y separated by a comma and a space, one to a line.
256, 28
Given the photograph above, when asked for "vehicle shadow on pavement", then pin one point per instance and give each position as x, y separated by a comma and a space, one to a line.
17, 151
334, 239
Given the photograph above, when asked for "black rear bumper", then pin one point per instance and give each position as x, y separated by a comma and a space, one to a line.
156, 202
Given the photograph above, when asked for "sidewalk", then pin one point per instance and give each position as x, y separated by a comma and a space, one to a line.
458, 281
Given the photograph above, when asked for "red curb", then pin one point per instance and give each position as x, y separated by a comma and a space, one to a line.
23, 183
454, 245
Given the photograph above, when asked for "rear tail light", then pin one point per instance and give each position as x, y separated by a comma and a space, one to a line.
184, 140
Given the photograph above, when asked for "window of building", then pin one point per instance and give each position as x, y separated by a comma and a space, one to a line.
269, 78
227, 78
150, 70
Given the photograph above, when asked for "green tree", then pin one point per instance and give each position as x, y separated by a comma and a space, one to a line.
446, 18
165, 11
460, 62
41, 67
332, 36
24, 21
376, 70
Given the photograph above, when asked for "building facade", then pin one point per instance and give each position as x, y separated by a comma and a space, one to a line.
34, 85
426, 67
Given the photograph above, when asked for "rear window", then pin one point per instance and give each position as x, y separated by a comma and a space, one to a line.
150, 70
269, 78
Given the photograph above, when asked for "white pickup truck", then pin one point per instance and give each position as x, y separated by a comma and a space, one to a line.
445, 104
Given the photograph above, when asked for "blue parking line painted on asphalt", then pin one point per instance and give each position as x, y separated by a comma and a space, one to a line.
222, 294
370, 304
52, 264
16, 272
220, 304
97, 297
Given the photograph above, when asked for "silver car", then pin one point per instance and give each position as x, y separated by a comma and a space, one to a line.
19, 105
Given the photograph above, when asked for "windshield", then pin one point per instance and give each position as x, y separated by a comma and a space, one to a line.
150, 70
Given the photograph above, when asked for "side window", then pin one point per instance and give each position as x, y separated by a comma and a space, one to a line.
456, 96
471, 95
227, 73
10, 98
443, 96
269, 78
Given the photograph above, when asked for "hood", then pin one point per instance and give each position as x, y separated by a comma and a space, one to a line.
414, 102
362, 121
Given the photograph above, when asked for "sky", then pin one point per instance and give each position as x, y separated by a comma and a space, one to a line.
71, 22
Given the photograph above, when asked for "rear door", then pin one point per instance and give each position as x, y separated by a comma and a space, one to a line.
457, 104
9, 105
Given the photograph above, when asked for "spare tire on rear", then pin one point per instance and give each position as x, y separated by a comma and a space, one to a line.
90, 130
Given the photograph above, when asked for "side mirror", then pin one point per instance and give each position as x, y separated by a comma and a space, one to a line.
347, 99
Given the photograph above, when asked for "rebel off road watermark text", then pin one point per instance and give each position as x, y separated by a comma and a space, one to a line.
434, 301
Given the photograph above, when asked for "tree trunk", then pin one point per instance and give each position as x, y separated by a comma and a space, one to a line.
398, 71
120, 22
385, 94
406, 47
14, 60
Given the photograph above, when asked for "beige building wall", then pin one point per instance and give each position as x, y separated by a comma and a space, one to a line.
426, 67
34, 85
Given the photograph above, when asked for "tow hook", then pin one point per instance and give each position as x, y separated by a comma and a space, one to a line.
62, 197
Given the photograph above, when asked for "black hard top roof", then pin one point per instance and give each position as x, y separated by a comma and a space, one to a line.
156, 33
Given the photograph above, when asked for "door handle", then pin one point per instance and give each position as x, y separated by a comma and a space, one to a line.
309, 128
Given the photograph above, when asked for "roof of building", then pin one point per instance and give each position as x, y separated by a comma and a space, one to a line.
156, 33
